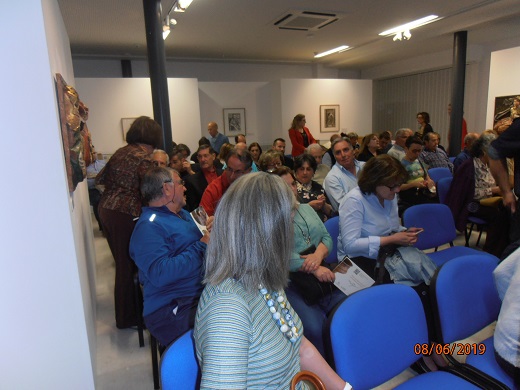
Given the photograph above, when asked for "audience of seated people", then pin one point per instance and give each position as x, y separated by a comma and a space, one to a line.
418, 187
397, 150
432, 155
166, 243
321, 171
196, 184
168, 248
308, 190
238, 163
344, 174
369, 147
474, 192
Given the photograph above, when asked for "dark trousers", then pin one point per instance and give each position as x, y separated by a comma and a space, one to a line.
118, 228
497, 235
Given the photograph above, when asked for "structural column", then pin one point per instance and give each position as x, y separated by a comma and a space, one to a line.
458, 77
157, 69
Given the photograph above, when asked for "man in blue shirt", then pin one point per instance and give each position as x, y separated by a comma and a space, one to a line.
344, 173
216, 139
168, 248
464, 155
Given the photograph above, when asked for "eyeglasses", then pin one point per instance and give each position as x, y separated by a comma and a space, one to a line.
274, 166
181, 182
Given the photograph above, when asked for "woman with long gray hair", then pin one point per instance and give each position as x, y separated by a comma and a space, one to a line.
247, 334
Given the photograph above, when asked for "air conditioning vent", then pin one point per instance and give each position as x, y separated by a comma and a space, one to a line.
305, 20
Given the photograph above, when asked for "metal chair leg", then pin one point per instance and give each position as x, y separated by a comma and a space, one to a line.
155, 362
139, 309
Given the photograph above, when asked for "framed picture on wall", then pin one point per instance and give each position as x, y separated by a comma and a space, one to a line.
234, 121
505, 110
329, 118
125, 125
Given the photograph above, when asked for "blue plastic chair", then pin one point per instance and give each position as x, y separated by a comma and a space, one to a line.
438, 173
332, 226
439, 229
466, 301
179, 365
452, 159
376, 333
443, 186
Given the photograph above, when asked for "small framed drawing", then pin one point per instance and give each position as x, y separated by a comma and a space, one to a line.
125, 125
329, 118
234, 121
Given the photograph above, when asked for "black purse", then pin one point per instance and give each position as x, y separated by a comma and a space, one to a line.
308, 286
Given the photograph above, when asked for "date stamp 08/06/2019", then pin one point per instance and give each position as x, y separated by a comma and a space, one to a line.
450, 349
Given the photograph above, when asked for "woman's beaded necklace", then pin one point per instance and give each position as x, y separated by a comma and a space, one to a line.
279, 309
306, 237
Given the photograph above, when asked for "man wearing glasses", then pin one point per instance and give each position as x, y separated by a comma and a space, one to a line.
238, 163
168, 249
397, 150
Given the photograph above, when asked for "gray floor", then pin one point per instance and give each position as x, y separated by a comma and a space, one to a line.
121, 364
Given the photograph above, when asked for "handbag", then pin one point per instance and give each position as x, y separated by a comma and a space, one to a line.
308, 286
310, 377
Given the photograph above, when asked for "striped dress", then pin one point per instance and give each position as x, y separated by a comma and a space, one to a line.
239, 346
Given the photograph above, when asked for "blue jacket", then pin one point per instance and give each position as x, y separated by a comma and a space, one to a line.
169, 254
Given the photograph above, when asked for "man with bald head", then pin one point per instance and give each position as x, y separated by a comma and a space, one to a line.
216, 139
397, 150
464, 155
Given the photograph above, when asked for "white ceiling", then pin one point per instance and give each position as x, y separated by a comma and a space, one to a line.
243, 30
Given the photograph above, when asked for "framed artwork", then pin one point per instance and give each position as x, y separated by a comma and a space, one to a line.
503, 115
125, 125
234, 121
329, 118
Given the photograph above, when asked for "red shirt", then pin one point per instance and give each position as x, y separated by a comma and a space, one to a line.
297, 140
214, 193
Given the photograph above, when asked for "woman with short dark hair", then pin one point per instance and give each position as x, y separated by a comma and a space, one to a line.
121, 203
309, 191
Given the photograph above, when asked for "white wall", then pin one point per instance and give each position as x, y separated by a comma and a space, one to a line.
47, 312
110, 99
501, 82
305, 96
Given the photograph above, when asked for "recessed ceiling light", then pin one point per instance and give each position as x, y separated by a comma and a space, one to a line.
332, 51
411, 25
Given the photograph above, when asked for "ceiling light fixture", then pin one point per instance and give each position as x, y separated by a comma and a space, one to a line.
166, 26
332, 51
403, 31
165, 31
181, 5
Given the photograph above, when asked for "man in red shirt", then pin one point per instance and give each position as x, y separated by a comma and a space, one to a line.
238, 163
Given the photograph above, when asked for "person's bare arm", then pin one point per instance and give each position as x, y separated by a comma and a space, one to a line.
499, 171
311, 360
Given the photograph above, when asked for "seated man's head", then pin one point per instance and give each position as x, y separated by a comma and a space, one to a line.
384, 139
401, 135
279, 145
184, 149
212, 129
240, 138
206, 157
163, 187
176, 161
469, 139
343, 152
160, 158
413, 148
431, 141
316, 151
239, 163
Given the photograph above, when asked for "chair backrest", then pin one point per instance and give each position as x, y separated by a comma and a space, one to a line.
179, 365
332, 226
438, 173
436, 220
452, 159
465, 296
373, 334
443, 186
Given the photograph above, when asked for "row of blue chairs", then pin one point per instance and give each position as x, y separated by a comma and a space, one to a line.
377, 333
